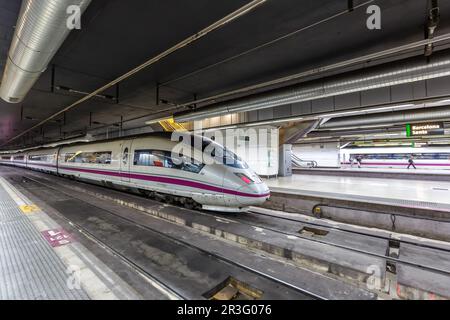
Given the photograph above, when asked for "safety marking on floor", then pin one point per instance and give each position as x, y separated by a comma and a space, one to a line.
29, 208
57, 237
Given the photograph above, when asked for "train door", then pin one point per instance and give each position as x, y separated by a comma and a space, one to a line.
58, 154
125, 158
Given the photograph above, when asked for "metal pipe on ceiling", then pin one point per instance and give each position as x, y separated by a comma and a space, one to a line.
432, 24
399, 117
319, 70
355, 132
379, 77
40, 30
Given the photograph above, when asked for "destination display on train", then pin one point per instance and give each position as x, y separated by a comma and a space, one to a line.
424, 129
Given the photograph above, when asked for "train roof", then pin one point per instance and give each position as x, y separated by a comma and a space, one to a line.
164, 135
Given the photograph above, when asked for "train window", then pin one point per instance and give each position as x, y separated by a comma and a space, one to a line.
141, 158
229, 158
6, 158
184, 163
19, 158
152, 158
99, 157
224, 156
221, 154
69, 157
41, 158
157, 158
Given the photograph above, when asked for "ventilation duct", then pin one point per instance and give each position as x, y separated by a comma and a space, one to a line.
379, 77
399, 117
40, 30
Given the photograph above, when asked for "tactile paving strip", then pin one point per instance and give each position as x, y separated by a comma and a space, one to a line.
29, 268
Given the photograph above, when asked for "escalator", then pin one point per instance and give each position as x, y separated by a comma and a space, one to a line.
301, 163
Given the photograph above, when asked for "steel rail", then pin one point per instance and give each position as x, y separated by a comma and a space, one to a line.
188, 244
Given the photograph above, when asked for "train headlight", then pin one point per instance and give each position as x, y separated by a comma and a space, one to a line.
244, 178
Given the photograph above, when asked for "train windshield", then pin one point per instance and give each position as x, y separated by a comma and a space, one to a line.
228, 158
220, 153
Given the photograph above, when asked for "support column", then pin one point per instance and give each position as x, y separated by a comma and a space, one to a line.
285, 160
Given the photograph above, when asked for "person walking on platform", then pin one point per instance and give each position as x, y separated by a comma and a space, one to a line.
359, 160
411, 162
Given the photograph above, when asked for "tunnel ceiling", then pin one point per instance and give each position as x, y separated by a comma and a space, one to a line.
118, 35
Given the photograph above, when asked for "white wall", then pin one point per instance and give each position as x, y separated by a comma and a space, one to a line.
325, 154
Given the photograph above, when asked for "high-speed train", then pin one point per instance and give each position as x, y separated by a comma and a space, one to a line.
397, 157
215, 181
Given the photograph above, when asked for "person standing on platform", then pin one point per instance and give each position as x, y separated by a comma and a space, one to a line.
411, 162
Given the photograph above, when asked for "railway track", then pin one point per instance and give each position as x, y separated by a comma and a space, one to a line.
170, 292
342, 228
388, 258
165, 287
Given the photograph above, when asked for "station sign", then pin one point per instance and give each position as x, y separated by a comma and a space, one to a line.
425, 129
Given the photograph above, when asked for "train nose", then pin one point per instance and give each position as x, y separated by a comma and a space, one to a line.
253, 194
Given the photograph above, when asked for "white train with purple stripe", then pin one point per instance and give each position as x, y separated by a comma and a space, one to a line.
437, 158
43, 160
16, 159
146, 164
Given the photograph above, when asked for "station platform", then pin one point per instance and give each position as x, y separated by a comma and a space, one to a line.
417, 207
382, 173
39, 260
417, 193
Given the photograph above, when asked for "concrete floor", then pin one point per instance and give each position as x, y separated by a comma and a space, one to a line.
398, 189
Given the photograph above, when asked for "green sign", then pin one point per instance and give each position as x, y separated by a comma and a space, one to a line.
408, 130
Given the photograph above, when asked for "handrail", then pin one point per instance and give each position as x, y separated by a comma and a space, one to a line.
298, 162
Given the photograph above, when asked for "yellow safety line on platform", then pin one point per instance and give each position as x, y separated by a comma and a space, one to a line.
29, 208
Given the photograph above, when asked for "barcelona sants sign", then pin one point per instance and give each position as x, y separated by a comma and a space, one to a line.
424, 129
